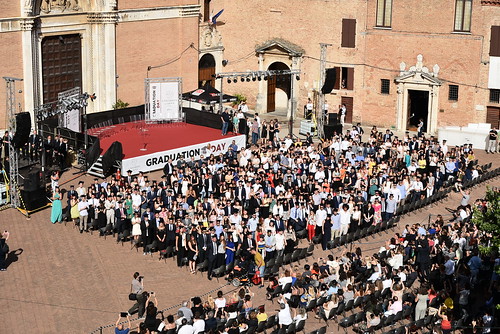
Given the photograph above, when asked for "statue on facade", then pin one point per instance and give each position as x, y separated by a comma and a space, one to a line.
45, 6
48, 5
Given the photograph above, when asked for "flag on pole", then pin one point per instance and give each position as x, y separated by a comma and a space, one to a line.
216, 16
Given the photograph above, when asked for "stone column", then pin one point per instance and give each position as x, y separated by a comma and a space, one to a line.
400, 119
434, 108
27, 25
102, 60
261, 105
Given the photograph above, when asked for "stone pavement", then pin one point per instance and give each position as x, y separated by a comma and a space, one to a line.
62, 281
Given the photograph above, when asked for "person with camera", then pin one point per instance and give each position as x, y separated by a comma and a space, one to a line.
138, 294
151, 321
119, 328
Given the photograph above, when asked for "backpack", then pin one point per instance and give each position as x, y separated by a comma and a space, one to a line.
256, 279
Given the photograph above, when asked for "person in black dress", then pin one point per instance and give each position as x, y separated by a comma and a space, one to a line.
161, 237
192, 247
368, 213
263, 134
271, 131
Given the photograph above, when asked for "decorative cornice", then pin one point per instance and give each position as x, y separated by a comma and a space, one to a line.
190, 11
27, 24
490, 3
106, 17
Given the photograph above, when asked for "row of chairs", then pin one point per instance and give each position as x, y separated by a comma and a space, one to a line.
272, 266
360, 233
483, 177
420, 203
271, 324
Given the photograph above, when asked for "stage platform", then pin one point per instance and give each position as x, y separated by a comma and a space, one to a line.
148, 146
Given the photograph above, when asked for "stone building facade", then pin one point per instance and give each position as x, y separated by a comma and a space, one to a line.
396, 62
107, 47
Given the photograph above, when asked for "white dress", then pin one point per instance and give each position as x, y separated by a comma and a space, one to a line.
136, 226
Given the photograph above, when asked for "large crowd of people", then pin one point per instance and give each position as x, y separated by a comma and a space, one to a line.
428, 277
251, 203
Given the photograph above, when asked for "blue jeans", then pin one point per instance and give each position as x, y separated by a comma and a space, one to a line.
225, 125
255, 138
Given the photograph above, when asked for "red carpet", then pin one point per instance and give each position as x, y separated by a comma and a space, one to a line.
153, 137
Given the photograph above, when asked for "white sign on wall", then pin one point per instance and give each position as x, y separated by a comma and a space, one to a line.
163, 99
156, 161
494, 75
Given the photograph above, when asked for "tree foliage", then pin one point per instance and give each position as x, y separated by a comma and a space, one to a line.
488, 221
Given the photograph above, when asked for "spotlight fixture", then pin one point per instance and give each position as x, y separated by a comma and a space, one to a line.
259, 78
248, 79
297, 77
254, 78
228, 80
266, 77
235, 79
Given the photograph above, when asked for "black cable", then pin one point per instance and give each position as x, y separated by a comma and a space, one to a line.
395, 71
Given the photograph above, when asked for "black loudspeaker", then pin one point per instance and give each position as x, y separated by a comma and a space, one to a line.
331, 74
23, 128
113, 154
331, 129
32, 182
34, 199
333, 118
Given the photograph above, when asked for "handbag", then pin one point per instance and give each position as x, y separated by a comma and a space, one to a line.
132, 296
195, 257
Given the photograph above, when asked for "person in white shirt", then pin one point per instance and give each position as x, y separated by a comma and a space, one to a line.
320, 219
235, 218
198, 324
320, 175
280, 243
185, 328
136, 200
284, 315
83, 207
243, 108
345, 219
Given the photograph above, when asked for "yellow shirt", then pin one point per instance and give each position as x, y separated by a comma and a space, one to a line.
259, 261
261, 317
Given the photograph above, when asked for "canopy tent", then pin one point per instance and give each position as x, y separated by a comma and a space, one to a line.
207, 95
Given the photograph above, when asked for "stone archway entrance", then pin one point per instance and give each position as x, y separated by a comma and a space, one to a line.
278, 89
206, 70
418, 97
276, 94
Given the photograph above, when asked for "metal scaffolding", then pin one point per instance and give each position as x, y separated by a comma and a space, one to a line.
320, 114
15, 200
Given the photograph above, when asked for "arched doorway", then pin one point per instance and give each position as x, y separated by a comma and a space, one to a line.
278, 88
206, 70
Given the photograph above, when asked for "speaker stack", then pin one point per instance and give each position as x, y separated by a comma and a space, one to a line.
23, 127
34, 199
333, 126
33, 193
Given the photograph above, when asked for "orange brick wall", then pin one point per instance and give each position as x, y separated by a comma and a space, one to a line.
133, 4
10, 8
423, 27
152, 43
11, 65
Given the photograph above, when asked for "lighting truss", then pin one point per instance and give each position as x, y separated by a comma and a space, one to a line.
256, 75
62, 106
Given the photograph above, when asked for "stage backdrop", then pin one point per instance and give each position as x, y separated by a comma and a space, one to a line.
163, 99
156, 161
